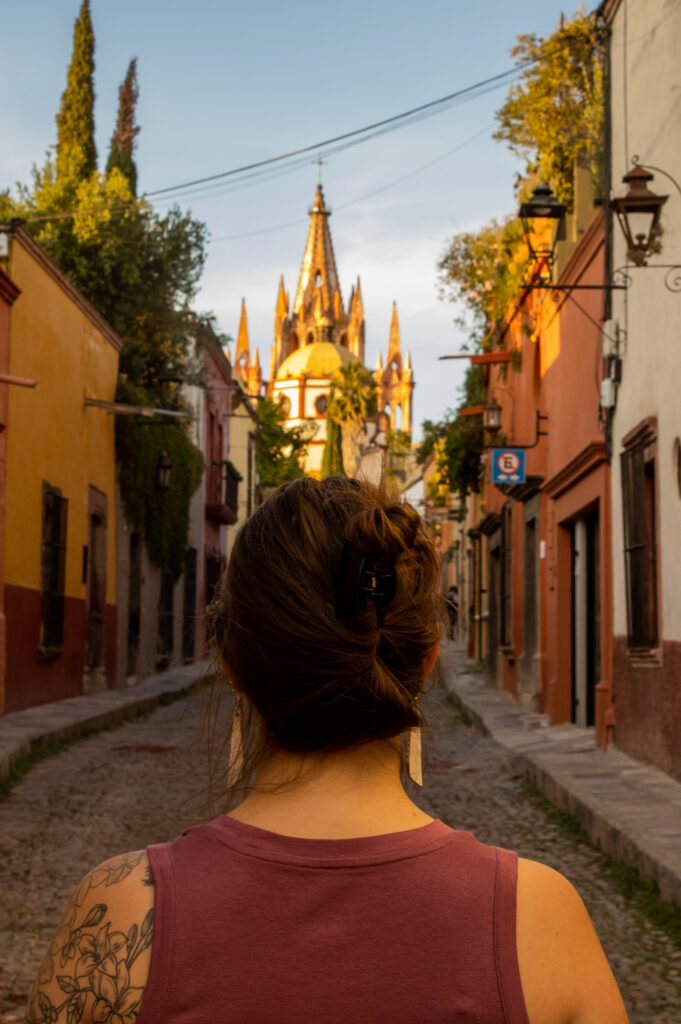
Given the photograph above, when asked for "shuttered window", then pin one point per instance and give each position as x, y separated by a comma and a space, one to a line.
53, 567
640, 547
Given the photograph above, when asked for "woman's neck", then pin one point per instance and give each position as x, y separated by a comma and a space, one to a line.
342, 795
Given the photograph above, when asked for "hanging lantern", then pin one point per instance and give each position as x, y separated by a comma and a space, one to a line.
638, 213
491, 417
541, 216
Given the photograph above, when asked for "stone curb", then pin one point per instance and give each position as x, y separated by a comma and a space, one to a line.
629, 809
24, 731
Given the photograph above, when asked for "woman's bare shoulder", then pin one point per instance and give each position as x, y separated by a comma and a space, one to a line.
98, 963
564, 972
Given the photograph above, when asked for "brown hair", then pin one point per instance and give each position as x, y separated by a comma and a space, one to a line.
320, 682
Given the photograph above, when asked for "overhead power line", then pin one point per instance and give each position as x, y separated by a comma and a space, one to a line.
362, 198
286, 162
396, 121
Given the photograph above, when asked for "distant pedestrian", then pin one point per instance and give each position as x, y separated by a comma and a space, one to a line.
326, 895
452, 603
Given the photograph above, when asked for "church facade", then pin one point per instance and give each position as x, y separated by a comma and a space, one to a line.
316, 336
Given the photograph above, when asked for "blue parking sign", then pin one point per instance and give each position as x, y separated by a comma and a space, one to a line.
508, 466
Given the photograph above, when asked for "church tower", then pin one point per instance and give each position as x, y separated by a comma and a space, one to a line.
248, 372
316, 336
318, 313
396, 382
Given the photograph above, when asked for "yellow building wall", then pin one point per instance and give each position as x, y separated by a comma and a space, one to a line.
53, 436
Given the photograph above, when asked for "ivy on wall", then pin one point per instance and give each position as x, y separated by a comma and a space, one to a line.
160, 516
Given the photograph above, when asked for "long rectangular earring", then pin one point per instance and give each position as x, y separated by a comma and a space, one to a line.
414, 755
236, 748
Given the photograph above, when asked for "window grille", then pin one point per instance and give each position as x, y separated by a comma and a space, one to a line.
640, 554
53, 567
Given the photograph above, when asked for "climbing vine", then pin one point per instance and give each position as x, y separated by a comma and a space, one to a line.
160, 516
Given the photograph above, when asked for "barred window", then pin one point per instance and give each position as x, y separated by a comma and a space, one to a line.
640, 546
53, 567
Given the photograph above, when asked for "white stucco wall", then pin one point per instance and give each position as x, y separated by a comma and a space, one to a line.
646, 121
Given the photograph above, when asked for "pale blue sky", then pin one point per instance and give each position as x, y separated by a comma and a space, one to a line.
224, 84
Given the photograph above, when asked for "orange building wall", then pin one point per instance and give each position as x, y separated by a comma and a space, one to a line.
59, 340
560, 374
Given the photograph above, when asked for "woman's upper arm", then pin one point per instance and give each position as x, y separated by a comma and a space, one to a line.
98, 964
565, 975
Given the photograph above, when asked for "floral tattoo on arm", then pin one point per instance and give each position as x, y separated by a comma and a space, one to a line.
86, 973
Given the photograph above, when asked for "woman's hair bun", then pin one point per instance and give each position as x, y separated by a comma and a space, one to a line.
321, 680
383, 532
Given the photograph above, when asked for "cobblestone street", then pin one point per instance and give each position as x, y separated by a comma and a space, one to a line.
145, 781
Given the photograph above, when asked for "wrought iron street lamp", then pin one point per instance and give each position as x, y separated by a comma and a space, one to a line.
541, 237
638, 213
491, 417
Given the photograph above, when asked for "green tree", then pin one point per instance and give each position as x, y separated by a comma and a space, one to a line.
457, 444
332, 458
76, 151
353, 400
121, 152
554, 115
483, 271
278, 449
140, 271
399, 450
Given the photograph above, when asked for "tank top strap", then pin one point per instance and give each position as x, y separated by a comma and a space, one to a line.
505, 951
156, 990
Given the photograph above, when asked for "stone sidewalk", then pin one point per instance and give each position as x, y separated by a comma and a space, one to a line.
633, 811
24, 731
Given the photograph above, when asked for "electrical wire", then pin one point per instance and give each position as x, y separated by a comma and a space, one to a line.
262, 170
362, 198
215, 188
368, 131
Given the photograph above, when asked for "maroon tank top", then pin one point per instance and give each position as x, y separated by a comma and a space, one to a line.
414, 927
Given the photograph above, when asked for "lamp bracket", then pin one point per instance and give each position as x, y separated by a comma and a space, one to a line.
539, 433
546, 285
620, 281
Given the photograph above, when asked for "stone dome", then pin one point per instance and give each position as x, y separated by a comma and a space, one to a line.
320, 359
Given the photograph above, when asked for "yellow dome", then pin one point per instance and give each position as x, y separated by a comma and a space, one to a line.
321, 359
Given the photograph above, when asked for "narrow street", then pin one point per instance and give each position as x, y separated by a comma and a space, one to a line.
145, 781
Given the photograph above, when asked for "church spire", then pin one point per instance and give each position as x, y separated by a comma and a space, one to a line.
282, 300
255, 381
394, 348
242, 359
242, 342
318, 271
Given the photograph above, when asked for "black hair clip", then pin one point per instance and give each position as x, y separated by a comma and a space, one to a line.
360, 577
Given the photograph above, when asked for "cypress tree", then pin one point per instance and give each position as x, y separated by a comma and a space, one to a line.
126, 130
76, 152
332, 457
